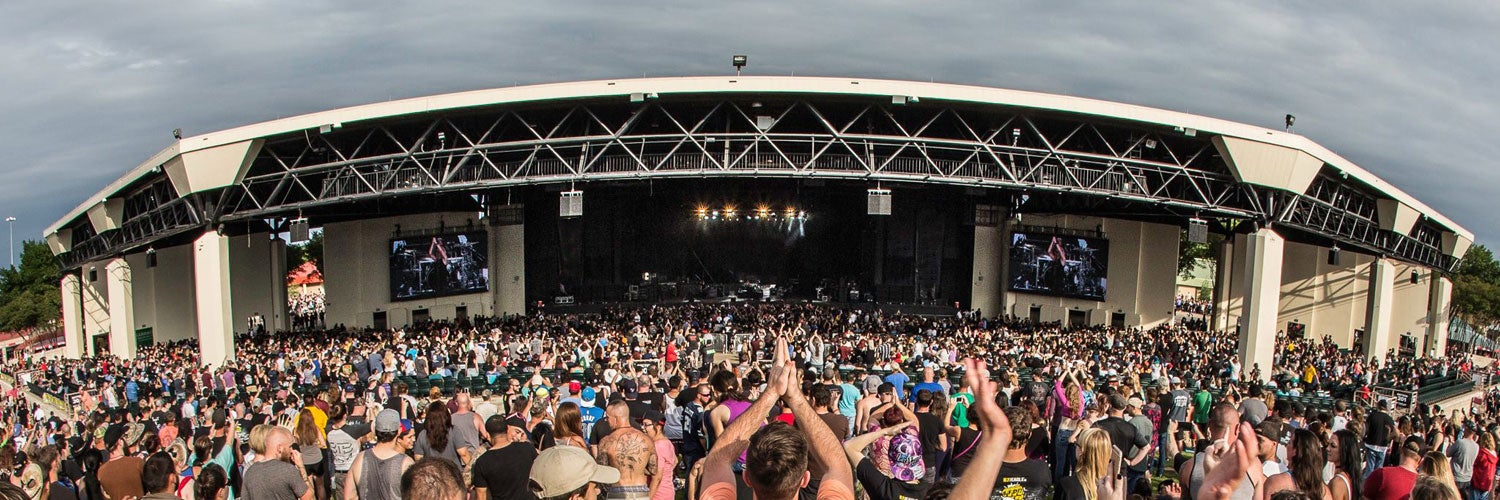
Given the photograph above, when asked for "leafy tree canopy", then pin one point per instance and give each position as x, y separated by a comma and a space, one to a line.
29, 295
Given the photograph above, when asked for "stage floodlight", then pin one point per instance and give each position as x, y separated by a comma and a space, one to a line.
1415, 278
739, 62
1197, 230
1289, 121
570, 204
878, 202
1333, 256
150, 257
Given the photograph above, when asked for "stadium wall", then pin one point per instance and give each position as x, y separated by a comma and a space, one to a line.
163, 295
1330, 299
357, 272
250, 271
1141, 280
95, 304
989, 270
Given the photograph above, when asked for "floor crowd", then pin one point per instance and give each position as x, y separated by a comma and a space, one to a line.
719, 401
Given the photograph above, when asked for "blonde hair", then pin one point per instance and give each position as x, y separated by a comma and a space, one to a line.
1435, 465
1094, 449
258, 437
1432, 488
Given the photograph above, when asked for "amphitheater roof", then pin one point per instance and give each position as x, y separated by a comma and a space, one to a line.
829, 86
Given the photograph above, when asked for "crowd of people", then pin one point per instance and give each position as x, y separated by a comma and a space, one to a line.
719, 401
1194, 305
306, 310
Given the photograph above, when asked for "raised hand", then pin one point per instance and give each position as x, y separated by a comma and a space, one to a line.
991, 418
1173, 490
1231, 465
778, 358
792, 392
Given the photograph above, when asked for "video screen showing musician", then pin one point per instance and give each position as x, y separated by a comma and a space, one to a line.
1068, 266
438, 265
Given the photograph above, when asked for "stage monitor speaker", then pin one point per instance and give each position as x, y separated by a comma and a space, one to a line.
300, 230
878, 202
570, 204
1197, 231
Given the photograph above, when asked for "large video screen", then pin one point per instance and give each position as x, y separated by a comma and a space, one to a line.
1067, 266
445, 264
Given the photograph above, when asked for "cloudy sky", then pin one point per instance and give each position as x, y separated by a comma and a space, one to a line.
92, 89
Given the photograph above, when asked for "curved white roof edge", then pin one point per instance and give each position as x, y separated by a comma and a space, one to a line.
763, 84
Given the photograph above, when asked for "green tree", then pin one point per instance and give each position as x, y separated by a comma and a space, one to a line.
1189, 254
1476, 288
29, 295
313, 249
307, 251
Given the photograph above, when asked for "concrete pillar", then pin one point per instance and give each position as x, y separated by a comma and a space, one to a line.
211, 294
1263, 254
121, 308
1378, 308
277, 318
509, 264
72, 309
1438, 302
1223, 283
988, 275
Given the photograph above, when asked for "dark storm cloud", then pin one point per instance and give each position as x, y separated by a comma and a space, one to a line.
1396, 87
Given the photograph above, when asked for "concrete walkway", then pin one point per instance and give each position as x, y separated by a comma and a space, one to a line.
65, 413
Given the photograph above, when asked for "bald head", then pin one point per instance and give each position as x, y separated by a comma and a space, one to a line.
461, 400
278, 442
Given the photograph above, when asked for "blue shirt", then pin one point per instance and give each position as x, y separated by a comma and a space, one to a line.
848, 398
899, 380
590, 415
932, 387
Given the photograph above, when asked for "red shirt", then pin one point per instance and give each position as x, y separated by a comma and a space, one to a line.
1390, 483
671, 352
1484, 470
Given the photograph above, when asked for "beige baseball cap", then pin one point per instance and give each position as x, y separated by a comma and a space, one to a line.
561, 469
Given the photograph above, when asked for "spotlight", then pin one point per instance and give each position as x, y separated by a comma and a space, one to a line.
1289, 121
1333, 256
1415, 278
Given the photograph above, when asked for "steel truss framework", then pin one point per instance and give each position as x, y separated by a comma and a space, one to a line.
1175, 170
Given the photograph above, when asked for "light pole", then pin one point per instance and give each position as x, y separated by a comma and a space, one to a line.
12, 223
